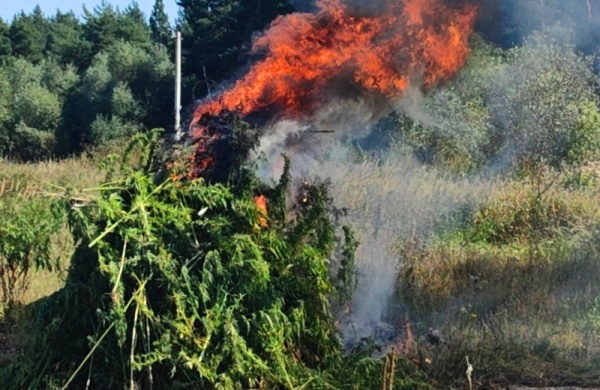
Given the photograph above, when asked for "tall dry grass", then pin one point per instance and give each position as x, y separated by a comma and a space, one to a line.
389, 201
29, 180
514, 288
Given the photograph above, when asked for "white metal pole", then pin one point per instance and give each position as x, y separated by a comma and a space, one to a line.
178, 86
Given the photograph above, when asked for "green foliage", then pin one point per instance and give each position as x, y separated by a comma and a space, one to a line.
32, 144
27, 227
66, 43
114, 67
29, 119
104, 130
521, 217
5, 44
179, 279
134, 26
105, 26
123, 104
35, 106
346, 275
584, 144
126, 85
455, 127
547, 81
28, 35
527, 105
5, 112
159, 24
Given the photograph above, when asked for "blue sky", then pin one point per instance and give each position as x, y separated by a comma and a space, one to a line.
8, 8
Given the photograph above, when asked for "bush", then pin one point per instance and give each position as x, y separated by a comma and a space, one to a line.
531, 104
104, 130
27, 227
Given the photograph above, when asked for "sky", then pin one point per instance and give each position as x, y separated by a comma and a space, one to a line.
8, 8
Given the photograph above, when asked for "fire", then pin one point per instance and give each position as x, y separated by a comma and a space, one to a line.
307, 54
261, 204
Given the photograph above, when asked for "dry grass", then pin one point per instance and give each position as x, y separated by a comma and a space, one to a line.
39, 179
515, 289
80, 172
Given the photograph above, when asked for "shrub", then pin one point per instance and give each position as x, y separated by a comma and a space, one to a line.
27, 227
531, 104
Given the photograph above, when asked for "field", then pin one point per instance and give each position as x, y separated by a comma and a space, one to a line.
27, 183
499, 270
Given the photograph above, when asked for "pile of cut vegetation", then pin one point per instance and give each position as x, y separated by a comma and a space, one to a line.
182, 284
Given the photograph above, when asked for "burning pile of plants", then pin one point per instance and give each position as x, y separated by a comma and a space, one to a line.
205, 277
180, 284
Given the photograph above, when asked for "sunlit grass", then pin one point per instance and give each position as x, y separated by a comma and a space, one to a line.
79, 172
520, 301
40, 179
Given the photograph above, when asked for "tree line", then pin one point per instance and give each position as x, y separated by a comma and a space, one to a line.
69, 83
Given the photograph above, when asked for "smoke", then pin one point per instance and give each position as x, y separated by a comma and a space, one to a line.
325, 77
393, 198
511, 22
390, 202
357, 7
330, 74
389, 199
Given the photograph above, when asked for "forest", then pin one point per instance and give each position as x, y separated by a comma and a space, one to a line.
393, 194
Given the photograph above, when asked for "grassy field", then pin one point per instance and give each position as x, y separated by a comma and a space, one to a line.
43, 179
503, 271
27, 183
513, 286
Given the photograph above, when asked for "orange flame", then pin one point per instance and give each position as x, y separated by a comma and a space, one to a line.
261, 203
307, 53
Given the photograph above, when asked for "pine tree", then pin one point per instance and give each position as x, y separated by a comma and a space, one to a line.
159, 24
107, 25
134, 27
65, 41
5, 46
28, 35
101, 26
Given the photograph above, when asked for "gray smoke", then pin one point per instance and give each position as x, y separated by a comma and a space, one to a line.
388, 199
391, 197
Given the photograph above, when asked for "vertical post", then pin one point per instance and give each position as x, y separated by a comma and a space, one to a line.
178, 86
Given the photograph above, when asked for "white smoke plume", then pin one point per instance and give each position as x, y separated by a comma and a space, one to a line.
387, 200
